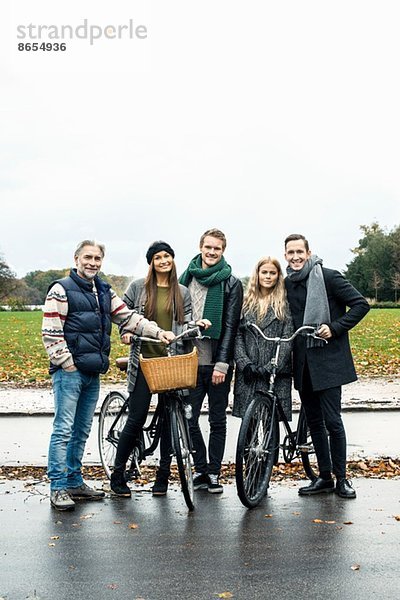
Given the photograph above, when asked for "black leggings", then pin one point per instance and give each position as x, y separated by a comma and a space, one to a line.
139, 403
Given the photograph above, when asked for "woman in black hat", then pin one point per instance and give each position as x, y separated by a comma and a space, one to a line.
160, 298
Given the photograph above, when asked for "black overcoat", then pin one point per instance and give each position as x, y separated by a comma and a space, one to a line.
332, 364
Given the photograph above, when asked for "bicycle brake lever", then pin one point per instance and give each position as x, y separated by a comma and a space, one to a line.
317, 337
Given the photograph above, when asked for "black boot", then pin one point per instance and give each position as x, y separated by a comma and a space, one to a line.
318, 486
344, 489
118, 485
160, 486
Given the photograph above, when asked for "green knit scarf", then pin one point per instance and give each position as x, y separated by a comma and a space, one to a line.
212, 278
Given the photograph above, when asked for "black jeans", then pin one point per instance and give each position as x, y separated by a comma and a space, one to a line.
323, 416
139, 403
217, 404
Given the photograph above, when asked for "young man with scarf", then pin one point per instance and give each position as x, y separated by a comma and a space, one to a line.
318, 296
216, 295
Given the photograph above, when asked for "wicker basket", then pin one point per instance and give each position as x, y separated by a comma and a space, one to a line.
170, 372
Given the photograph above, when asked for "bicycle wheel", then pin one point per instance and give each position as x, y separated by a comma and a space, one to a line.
112, 418
256, 449
306, 447
183, 454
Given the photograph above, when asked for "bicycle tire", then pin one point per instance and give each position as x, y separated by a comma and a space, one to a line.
304, 440
183, 454
112, 418
255, 451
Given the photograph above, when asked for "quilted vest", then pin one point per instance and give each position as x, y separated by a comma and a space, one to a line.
87, 328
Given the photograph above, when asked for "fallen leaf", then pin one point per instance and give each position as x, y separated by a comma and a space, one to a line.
361, 465
296, 513
317, 521
52, 545
330, 522
397, 517
355, 567
348, 523
117, 522
112, 586
133, 526
88, 516
55, 537
225, 595
267, 517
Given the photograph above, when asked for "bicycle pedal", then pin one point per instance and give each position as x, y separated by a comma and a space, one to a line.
306, 448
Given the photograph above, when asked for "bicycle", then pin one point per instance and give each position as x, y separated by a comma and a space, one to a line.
259, 436
176, 374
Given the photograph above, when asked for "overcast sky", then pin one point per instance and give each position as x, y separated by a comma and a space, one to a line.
260, 118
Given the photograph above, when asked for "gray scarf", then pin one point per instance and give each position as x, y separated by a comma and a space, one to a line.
316, 310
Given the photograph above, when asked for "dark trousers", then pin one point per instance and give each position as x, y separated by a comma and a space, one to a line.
139, 403
323, 417
217, 404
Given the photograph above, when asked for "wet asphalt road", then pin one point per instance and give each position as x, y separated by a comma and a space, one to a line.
276, 551
24, 439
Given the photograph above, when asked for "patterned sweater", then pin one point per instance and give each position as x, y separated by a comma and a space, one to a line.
56, 311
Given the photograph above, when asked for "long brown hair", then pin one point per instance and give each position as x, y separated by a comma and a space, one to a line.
258, 304
174, 301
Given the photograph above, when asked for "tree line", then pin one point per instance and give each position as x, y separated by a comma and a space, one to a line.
374, 271
32, 289
375, 268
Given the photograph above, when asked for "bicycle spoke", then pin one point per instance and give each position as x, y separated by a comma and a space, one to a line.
255, 452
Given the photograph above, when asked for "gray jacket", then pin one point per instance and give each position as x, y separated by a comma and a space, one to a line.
250, 347
135, 298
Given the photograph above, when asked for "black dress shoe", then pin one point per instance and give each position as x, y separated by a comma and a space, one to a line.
344, 489
318, 486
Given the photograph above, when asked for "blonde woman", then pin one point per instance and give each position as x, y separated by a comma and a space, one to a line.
264, 304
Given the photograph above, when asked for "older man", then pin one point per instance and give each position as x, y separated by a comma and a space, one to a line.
78, 314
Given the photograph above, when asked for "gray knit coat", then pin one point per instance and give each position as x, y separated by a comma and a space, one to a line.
135, 298
250, 347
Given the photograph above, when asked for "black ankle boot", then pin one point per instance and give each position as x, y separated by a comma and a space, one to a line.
118, 485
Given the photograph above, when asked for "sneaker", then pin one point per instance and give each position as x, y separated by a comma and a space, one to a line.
118, 485
84, 492
160, 487
214, 487
61, 500
201, 481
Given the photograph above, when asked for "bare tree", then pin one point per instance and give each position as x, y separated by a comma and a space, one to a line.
377, 282
395, 279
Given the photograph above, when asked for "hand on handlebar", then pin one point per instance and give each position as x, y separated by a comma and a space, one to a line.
324, 332
203, 323
166, 336
126, 338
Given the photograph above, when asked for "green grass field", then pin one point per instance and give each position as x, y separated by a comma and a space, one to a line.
23, 360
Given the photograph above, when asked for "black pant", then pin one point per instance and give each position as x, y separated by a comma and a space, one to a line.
217, 404
139, 403
323, 416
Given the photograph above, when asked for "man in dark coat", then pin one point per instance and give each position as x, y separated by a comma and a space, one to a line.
319, 296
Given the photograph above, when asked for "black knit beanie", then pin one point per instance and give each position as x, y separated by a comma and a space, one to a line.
157, 247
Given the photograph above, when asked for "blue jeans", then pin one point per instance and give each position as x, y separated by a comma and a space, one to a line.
75, 399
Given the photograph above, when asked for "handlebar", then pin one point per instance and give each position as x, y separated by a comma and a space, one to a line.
312, 332
194, 333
